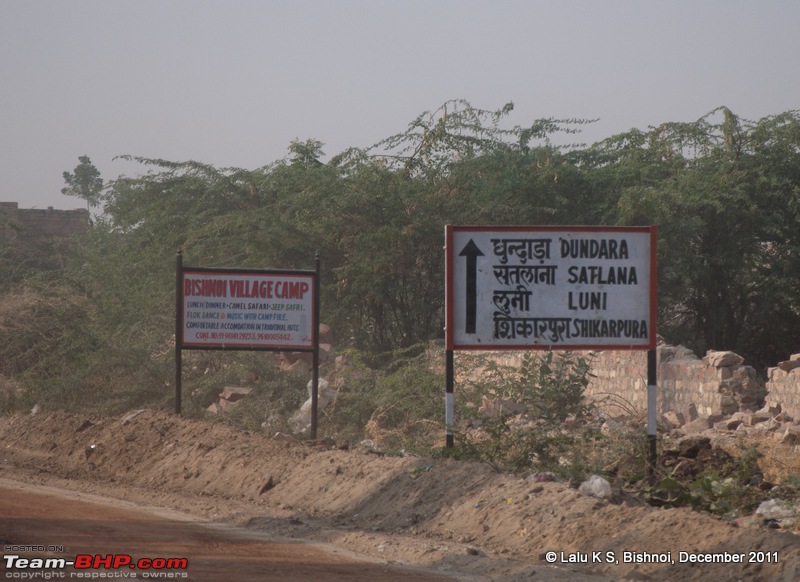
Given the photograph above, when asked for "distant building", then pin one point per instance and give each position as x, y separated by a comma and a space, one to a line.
36, 224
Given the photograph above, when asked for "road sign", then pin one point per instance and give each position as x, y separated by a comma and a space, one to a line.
537, 287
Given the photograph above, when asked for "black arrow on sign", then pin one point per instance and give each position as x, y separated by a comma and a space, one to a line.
472, 252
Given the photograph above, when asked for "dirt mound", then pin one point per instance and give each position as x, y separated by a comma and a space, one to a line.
458, 517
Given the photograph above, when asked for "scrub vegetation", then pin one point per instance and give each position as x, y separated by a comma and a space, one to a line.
89, 325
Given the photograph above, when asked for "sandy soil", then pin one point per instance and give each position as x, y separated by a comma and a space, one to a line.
78, 527
460, 520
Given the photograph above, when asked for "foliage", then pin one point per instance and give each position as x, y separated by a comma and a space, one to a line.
724, 192
274, 395
550, 388
22, 260
45, 345
84, 182
550, 384
396, 408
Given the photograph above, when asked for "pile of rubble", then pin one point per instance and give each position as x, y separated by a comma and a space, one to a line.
783, 385
288, 362
229, 396
767, 421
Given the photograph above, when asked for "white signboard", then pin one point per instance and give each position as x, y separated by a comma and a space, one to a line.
247, 310
550, 287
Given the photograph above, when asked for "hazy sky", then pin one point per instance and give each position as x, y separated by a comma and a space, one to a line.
232, 82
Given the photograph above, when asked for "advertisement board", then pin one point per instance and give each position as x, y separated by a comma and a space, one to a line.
227, 309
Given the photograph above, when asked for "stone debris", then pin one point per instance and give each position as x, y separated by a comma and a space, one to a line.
291, 361
781, 425
790, 435
268, 484
728, 424
596, 486
543, 477
783, 385
674, 419
790, 364
696, 426
782, 513
768, 420
723, 359
229, 396
690, 447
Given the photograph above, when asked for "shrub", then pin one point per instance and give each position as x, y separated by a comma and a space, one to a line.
550, 386
399, 407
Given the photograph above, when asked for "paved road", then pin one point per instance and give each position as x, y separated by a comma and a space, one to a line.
66, 526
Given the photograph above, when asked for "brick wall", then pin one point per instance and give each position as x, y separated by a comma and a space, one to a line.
718, 384
783, 386
34, 223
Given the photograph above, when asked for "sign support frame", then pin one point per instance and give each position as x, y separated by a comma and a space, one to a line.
471, 252
313, 348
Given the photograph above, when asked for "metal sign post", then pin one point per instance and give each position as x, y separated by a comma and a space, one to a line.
315, 364
652, 370
551, 288
178, 330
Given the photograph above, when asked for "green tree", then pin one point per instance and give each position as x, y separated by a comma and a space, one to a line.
457, 164
725, 194
376, 215
306, 153
84, 182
